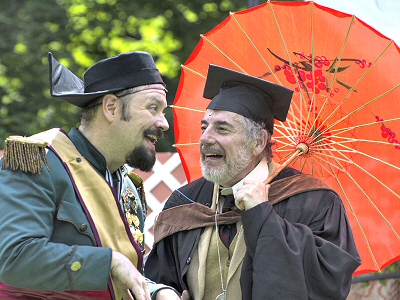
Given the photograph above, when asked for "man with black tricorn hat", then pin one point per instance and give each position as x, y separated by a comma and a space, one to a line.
71, 222
229, 235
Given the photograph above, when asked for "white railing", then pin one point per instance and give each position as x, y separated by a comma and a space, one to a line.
167, 176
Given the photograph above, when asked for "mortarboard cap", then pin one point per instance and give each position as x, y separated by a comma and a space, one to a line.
252, 97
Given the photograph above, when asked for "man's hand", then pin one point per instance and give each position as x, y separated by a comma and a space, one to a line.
126, 277
185, 295
250, 194
167, 294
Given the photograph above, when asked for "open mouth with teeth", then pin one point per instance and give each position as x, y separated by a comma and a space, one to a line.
152, 138
212, 157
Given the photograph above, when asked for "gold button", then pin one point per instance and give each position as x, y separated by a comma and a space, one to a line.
83, 228
76, 266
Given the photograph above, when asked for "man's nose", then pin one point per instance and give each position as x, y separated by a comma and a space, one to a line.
207, 137
162, 123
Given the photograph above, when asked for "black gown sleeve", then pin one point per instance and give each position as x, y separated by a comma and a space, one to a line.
302, 248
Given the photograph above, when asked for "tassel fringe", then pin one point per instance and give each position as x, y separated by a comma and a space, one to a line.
25, 154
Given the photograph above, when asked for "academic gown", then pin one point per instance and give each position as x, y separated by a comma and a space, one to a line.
299, 248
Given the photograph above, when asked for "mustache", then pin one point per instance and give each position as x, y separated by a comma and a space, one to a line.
205, 148
156, 131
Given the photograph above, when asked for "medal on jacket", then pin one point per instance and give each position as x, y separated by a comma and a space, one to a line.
221, 296
131, 208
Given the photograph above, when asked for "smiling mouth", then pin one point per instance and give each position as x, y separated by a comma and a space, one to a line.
152, 138
211, 153
212, 157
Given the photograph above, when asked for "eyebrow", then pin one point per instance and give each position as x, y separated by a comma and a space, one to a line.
157, 100
218, 123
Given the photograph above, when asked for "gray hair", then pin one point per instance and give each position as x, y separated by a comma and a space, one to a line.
255, 131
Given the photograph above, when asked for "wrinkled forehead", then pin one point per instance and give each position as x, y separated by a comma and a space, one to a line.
218, 116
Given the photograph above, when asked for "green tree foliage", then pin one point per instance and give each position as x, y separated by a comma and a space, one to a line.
81, 32
27, 28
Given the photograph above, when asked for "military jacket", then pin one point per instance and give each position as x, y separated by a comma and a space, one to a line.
46, 238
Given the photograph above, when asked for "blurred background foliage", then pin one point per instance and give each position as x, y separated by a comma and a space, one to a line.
82, 32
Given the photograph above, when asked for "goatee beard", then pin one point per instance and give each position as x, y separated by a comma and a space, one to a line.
142, 158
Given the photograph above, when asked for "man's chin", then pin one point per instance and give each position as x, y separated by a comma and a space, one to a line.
142, 168
213, 174
142, 158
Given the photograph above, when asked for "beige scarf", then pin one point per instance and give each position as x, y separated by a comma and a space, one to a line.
199, 276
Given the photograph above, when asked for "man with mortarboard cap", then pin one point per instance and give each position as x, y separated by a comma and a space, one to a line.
72, 216
290, 239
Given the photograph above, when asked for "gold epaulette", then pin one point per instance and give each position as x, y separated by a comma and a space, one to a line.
25, 154
136, 179
138, 182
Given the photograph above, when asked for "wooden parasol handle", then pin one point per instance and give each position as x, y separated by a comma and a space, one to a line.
301, 149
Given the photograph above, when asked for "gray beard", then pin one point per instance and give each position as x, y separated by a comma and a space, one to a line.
225, 174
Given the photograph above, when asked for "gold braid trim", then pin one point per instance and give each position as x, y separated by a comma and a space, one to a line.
25, 154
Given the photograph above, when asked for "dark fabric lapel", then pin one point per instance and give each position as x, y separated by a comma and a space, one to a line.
186, 214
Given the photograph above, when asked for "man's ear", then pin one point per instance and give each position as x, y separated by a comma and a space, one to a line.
110, 105
261, 143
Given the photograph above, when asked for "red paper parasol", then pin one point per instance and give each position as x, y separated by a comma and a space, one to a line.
345, 108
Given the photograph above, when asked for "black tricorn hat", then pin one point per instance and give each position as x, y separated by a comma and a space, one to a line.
252, 97
108, 76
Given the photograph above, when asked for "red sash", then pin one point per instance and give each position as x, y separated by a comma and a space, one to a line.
14, 293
